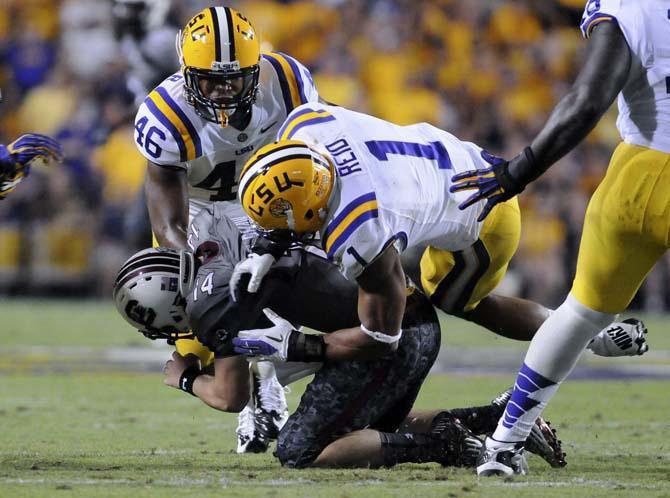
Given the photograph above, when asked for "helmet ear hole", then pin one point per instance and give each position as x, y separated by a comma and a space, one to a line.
309, 214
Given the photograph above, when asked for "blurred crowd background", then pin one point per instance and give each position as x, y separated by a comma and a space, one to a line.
488, 71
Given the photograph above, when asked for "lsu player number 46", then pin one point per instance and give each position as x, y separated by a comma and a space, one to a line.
199, 126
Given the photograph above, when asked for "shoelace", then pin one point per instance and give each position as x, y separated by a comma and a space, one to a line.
245, 423
271, 396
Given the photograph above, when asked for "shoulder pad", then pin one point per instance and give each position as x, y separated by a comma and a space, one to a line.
164, 134
597, 11
295, 81
355, 237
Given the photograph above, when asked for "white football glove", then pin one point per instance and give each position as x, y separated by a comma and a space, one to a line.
258, 265
625, 338
268, 344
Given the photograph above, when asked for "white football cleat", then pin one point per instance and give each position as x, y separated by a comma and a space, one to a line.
626, 338
271, 409
501, 459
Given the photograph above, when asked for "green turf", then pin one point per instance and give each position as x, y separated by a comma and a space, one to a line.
94, 432
96, 324
125, 435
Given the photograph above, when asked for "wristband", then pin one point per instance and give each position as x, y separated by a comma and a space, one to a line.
381, 336
305, 347
188, 377
523, 171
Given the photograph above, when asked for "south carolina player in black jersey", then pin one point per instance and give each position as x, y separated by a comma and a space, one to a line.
198, 127
369, 402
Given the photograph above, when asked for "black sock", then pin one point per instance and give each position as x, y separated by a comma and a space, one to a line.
479, 419
401, 448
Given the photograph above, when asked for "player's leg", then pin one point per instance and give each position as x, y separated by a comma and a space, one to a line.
347, 397
460, 283
625, 233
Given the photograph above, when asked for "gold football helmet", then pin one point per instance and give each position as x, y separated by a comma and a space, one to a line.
286, 185
219, 52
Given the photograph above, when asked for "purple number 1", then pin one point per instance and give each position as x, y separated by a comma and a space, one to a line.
432, 150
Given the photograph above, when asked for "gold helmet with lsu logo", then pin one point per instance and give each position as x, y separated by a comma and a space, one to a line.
219, 52
286, 185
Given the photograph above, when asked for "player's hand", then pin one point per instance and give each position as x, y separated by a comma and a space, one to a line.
257, 265
15, 158
271, 343
175, 366
627, 338
493, 185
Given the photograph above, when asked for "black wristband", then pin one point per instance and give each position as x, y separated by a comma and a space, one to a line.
188, 377
522, 170
305, 347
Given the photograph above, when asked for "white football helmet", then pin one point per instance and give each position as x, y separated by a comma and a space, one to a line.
146, 294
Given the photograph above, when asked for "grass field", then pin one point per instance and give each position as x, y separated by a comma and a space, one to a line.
75, 424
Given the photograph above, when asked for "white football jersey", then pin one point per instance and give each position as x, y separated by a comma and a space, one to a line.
644, 102
392, 184
169, 132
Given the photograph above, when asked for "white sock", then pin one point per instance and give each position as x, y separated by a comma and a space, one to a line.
552, 355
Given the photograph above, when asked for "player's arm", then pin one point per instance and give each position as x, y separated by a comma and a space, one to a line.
601, 78
227, 390
381, 305
167, 200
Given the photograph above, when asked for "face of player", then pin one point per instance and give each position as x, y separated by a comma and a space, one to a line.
221, 89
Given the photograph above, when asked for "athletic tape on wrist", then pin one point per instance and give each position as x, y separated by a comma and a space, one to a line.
187, 379
381, 336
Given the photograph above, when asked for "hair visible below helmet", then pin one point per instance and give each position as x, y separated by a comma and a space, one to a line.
286, 185
146, 294
219, 42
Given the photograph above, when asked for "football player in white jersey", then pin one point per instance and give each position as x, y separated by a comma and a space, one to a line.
371, 189
198, 127
626, 228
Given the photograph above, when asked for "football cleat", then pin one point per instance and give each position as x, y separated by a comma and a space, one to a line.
271, 409
249, 440
505, 459
542, 441
458, 447
501, 400
626, 338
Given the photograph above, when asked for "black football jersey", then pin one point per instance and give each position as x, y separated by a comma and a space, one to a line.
302, 287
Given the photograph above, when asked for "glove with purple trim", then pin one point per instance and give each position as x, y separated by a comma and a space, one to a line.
15, 158
494, 184
269, 344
